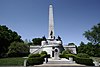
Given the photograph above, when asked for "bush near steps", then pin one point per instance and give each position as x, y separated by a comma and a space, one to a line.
35, 59
79, 60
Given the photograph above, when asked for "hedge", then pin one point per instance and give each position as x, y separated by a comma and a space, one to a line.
86, 61
63, 56
79, 60
83, 55
35, 61
44, 52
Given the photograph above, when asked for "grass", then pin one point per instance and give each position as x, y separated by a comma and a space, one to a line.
96, 59
19, 61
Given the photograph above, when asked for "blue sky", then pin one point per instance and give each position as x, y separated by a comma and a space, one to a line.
29, 18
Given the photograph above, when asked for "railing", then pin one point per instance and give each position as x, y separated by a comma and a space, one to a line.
36, 51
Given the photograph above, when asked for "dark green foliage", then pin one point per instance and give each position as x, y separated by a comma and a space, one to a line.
35, 59
37, 41
90, 49
45, 55
18, 49
71, 44
66, 52
34, 55
12, 61
70, 55
83, 55
93, 35
85, 61
44, 52
79, 60
48, 55
7, 36
63, 56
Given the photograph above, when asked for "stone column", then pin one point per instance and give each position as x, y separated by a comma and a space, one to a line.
51, 23
56, 54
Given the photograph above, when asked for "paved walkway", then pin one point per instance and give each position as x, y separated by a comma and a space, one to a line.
60, 65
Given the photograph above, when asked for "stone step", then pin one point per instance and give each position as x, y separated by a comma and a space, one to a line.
62, 61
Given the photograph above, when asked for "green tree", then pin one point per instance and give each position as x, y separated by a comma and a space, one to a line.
81, 48
90, 49
93, 35
7, 36
71, 44
28, 42
37, 41
17, 49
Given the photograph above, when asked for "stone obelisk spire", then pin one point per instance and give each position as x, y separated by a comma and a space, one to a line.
51, 23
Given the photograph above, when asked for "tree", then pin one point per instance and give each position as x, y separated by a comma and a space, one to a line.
17, 49
7, 36
37, 41
71, 44
90, 49
93, 35
28, 42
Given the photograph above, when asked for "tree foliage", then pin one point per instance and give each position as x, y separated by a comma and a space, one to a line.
93, 35
90, 49
17, 49
37, 41
7, 36
70, 44
83, 55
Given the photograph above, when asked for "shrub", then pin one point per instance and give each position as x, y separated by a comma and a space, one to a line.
44, 52
35, 61
66, 52
43, 55
63, 56
79, 60
48, 55
70, 55
34, 55
85, 61
83, 55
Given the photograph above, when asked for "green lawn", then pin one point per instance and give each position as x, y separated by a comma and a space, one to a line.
12, 61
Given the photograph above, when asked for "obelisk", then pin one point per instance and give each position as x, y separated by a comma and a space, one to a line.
51, 23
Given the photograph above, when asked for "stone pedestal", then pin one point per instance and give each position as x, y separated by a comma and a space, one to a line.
56, 56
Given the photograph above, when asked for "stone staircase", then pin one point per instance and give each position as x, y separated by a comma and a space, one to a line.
60, 61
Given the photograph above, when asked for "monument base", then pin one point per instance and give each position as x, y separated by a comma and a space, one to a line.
60, 61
